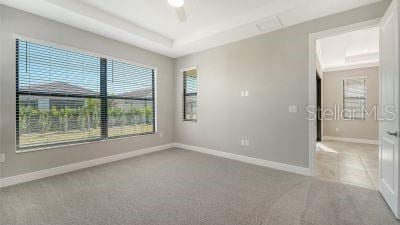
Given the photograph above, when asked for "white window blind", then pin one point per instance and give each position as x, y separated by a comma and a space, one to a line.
68, 97
58, 96
190, 95
130, 95
354, 98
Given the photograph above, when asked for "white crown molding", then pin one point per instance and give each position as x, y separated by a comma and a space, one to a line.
79, 14
351, 66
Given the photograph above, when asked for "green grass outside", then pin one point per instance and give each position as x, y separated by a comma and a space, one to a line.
33, 139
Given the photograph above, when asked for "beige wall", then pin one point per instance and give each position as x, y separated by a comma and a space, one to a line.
274, 68
18, 22
332, 94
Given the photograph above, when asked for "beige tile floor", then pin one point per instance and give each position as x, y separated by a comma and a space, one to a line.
350, 163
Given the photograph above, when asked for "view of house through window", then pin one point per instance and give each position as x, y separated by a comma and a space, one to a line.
354, 97
190, 95
130, 109
66, 97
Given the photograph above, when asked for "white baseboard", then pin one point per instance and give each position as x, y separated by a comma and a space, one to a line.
246, 159
352, 140
8, 181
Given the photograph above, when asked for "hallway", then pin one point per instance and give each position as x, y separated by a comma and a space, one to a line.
348, 163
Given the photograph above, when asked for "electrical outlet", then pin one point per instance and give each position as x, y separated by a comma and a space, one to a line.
2, 157
161, 134
337, 129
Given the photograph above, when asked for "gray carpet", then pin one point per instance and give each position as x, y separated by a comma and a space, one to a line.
183, 187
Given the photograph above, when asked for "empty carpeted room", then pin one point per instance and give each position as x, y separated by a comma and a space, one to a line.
198, 112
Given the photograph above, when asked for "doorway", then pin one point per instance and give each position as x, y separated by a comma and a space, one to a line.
319, 106
313, 80
347, 84
388, 163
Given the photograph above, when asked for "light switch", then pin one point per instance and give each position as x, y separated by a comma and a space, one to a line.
244, 93
293, 108
245, 142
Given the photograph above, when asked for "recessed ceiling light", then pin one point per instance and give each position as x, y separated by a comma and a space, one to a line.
176, 3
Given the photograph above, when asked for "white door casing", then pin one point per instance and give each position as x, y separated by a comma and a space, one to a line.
313, 37
389, 108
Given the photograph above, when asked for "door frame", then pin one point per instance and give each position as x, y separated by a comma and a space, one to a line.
390, 194
313, 37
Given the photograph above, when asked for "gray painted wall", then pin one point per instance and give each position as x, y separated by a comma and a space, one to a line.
332, 93
274, 68
18, 22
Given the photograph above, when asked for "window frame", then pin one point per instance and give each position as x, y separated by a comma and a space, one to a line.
128, 98
184, 95
364, 77
102, 138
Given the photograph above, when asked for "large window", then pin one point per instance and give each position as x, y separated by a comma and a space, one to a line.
354, 98
190, 95
67, 97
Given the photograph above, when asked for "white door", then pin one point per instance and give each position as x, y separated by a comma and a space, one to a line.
389, 103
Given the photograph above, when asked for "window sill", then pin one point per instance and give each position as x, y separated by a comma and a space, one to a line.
194, 121
43, 148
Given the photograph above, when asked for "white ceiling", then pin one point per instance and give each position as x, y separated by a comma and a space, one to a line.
153, 24
159, 16
355, 49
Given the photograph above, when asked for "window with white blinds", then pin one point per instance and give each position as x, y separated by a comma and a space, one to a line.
69, 97
190, 95
354, 97
130, 94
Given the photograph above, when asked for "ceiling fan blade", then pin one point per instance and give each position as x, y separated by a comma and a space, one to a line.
180, 12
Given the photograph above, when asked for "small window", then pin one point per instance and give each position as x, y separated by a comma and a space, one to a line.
190, 95
354, 98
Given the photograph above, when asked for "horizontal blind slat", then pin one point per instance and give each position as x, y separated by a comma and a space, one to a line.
354, 97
